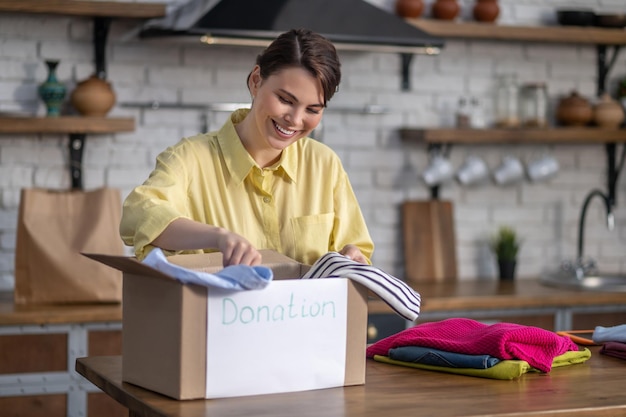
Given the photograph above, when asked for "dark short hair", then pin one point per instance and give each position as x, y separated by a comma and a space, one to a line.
306, 49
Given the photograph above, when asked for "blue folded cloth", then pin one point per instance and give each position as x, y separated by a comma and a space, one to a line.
436, 357
234, 277
610, 334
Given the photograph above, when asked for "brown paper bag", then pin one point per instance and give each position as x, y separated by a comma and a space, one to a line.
53, 228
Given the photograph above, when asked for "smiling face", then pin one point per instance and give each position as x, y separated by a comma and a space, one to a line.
287, 106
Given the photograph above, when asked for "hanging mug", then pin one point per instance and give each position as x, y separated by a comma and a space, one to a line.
542, 168
473, 171
509, 171
438, 171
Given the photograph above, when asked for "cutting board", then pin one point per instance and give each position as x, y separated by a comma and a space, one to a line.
429, 241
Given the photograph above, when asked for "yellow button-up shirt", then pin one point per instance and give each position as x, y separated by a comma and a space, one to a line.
303, 206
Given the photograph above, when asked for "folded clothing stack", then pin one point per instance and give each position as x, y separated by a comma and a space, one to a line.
466, 346
613, 340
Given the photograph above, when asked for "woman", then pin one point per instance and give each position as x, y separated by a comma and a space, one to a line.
259, 182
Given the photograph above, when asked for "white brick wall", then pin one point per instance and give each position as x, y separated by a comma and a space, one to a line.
384, 170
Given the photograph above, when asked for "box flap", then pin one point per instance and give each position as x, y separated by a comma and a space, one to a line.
282, 266
203, 262
127, 264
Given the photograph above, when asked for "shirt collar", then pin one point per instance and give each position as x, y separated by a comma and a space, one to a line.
239, 161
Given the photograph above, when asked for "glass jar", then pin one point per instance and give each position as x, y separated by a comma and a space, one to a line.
477, 114
507, 101
534, 105
463, 113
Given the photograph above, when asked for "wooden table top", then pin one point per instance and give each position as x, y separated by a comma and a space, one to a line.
594, 388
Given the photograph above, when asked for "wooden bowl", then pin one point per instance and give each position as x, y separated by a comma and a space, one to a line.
610, 20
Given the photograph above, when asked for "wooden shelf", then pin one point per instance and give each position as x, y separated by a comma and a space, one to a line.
508, 136
66, 124
86, 8
543, 34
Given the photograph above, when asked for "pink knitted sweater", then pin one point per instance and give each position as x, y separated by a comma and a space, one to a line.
534, 345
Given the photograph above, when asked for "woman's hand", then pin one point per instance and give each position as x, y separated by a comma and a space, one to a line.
354, 253
186, 234
237, 250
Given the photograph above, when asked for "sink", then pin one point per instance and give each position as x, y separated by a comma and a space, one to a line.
593, 282
582, 273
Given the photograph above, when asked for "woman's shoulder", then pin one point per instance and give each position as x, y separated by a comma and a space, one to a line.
313, 147
193, 144
188, 152
314, 156
200, 139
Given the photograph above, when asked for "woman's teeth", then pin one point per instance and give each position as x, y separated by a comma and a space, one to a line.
284, 131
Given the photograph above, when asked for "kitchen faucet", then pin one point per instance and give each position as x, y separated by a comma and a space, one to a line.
580, 268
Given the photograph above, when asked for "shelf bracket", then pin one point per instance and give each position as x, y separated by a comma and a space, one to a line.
76, 146
614, 168
101, 27
406, 71
611, 174
604, 65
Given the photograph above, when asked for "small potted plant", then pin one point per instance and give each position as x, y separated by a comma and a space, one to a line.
505, 245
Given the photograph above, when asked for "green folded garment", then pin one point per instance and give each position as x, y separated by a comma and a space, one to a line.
506, 369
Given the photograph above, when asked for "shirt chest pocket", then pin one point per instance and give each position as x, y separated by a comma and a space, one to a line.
311, 236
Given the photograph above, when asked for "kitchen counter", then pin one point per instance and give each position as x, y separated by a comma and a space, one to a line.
562, 309
18, 314
594, 388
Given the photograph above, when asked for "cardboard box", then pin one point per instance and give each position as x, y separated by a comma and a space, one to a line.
189, 342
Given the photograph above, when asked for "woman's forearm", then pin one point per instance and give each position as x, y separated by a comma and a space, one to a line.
186, 234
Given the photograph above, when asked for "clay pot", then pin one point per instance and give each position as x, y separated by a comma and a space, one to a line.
445, 9
93, 97
574, 110
608, 112
409, 8
486, 11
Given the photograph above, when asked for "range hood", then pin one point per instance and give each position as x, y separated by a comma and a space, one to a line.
349, 24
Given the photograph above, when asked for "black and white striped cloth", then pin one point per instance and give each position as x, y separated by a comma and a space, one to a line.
396, 293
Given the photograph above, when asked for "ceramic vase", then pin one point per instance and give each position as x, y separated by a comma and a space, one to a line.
574, 110
486, 11
445, 9
608, 113
93, 97
409, 8
51, 91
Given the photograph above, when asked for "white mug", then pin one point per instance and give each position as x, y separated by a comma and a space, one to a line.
473, 171
542, 168
438, 171
509, 171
